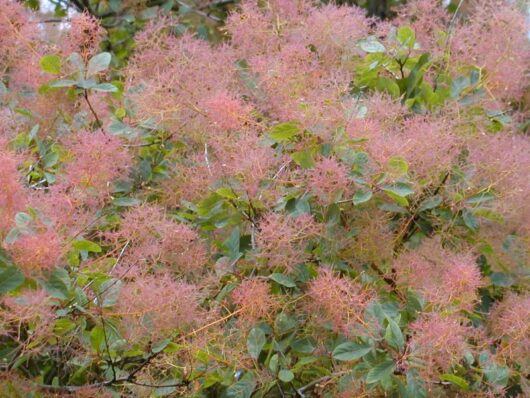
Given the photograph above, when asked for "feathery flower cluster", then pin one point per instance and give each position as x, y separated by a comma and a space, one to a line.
17, 34
437, 343
166, 88
36, 252
189, 180
254, 299
153, 237
502, 162
334, 31
282, 239
509, 322
329, 180
31, 309
429, 22
340, 301
412, 140
97, 158
375, 243
83, 36
248, 163
506, 52
12, 195
226, 111
443, 278
152, 306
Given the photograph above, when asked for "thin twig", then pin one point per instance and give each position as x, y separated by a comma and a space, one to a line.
85, 95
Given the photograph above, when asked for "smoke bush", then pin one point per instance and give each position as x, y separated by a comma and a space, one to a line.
324, 204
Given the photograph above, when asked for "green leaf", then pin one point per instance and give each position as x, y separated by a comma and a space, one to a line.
303, 345
480, 198
226, 192
226, 290
393, 334
496, 374
106, 88
283, 280
350, 351
242, 388
414, 388
50, 159
456, 380
57, 285
87, 245
51, 63
400, 200
98, 63
399, 188
285, 375
86, 84
33, 132
304, 159
126, 202
284, 323
284, 131
501, 279
63, 326
273, 363
406, 36
160, 346
62, 83
430, 203
97, 338
361, 197
416, 74
78, 61
371, 45
387, 85
232, 245
470, 220
10, 279
398, 165
380, 371
255, 342
111, 289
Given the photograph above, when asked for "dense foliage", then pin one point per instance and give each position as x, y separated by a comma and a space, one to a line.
122, 19
323, 205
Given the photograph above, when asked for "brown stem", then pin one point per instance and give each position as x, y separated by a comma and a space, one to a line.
85, 95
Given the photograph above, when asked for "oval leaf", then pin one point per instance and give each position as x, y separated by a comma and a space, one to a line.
283, 280
361, 197
284, 131
51, 63
350, 351
371, 45
255, 342
285, 375
105, 87
98, 63
87, 245
10, 279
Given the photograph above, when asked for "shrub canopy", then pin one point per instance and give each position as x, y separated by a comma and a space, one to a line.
322, 205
